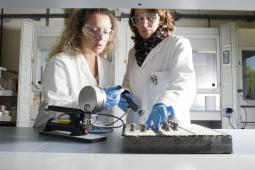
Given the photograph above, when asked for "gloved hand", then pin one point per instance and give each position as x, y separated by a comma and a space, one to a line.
112, 96
158, 115
123, 103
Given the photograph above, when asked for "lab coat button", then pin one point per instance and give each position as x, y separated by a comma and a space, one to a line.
154, 79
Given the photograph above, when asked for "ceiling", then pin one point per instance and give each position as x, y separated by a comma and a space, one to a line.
244, 5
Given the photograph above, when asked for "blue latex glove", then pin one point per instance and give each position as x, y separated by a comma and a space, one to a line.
158, 115
123, 104
112, 96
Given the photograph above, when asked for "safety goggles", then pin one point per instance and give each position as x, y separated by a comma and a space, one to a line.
95, 32
138, 20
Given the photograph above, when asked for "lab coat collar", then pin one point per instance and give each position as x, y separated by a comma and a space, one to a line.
153, 53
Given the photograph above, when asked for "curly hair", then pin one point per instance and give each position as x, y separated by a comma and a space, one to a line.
70, 41
166, 21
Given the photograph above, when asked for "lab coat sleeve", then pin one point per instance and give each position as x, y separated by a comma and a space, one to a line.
56, 83
181, 87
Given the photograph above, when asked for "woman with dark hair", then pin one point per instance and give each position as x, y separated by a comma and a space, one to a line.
80, 59
160, 73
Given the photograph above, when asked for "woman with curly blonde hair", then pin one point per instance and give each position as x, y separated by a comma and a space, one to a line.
80, 59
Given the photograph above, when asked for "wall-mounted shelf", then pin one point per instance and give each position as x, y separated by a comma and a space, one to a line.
205, 115
7, 93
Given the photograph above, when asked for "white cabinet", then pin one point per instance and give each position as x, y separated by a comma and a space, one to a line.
205, 46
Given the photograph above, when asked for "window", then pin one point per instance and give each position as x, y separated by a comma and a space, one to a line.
248, 58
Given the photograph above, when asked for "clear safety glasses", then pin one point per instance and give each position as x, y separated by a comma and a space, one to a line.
138, 20
96, 32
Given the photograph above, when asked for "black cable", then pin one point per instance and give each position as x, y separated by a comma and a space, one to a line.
246, 118
235, 117
103, 126
230, 123
244, 122
78, 111
118, 119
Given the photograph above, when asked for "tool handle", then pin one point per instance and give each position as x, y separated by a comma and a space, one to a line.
64, 109
131, 103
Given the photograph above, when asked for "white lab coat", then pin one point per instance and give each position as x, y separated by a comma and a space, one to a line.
166, 76
64, 77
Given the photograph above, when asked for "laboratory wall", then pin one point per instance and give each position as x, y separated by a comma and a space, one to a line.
46, 32
12, 30
23, 104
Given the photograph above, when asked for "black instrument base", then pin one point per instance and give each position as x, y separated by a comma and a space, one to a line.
89, 138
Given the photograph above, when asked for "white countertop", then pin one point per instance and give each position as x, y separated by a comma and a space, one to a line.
74, 161
15, 154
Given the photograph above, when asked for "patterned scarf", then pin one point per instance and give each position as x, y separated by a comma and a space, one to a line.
144, 46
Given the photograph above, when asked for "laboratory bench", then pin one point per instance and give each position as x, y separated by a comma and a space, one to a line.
25, 149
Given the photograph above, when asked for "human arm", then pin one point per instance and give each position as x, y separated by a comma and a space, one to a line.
56, 83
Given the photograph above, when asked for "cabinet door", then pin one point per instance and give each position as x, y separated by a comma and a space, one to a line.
205, 64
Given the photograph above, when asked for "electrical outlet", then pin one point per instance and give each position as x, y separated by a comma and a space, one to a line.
228, 112
239, 90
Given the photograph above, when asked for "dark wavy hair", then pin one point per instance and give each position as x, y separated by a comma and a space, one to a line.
70, 41
166, 21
